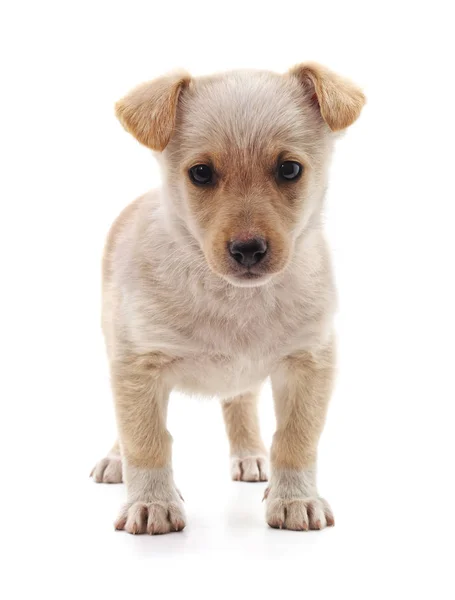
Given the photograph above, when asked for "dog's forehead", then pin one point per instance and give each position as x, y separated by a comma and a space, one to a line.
245, 109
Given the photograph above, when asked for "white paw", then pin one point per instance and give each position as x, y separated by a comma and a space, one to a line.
299, 514
293, 501
249, 468
151, 517
108, 470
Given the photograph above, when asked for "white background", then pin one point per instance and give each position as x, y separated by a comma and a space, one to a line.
67, 169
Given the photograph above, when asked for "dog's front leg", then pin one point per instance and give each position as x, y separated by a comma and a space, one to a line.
301, 385
141, 393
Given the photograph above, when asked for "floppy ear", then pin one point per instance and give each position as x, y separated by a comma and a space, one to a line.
340, 101
148, 112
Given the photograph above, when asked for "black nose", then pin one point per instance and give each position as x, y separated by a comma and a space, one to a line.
248, 252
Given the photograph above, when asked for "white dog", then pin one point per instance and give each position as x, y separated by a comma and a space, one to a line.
221, 279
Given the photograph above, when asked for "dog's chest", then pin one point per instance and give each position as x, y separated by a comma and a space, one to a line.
234, 352
227, 340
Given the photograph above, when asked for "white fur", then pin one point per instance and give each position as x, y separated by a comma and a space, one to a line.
293, 501
154, 503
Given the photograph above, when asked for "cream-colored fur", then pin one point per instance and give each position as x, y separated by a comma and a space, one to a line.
179, 312
248, 454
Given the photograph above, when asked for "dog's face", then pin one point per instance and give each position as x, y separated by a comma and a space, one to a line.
245, 156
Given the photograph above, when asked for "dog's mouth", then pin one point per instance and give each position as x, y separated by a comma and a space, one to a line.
248, 278
250, 275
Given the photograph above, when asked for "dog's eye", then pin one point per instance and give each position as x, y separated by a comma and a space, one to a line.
290, 170
201, 174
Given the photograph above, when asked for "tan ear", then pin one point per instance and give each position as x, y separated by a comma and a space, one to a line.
149, 111
340, 101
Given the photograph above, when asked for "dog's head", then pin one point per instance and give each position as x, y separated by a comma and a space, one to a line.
245, 157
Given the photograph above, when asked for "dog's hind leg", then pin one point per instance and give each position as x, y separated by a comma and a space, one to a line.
249, 460
109, 468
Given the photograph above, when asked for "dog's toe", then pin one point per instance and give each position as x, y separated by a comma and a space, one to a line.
299, 514
108, 470
154, 518
249, 468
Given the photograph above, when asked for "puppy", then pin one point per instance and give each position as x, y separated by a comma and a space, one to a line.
221, 279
